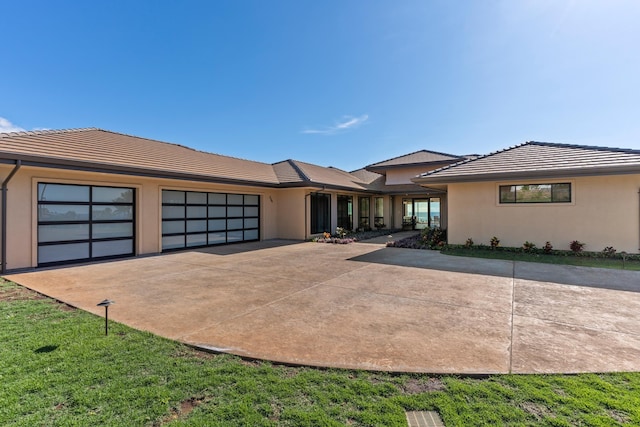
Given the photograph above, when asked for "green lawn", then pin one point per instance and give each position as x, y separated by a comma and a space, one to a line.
58, 369
584, 261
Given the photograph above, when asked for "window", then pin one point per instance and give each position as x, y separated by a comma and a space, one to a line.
536, 193
320, 213
364, 213
378, 212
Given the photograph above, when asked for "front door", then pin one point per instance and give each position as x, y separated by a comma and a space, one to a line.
345, 212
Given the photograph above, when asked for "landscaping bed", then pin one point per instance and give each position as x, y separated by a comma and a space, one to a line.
528, 252
343, 237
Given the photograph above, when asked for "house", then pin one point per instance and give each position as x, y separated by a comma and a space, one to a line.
541, 192
81, 195
88, 194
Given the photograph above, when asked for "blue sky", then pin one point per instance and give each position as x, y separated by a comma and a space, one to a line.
335, 83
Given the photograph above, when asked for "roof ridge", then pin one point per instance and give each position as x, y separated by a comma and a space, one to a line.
44, 132
586, 147
298, 170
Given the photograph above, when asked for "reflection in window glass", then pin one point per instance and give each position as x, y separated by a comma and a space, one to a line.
111, 213
62, 232
112, 195
62, 193
196, 239
536, 193
217, 238
112, 230
63, 213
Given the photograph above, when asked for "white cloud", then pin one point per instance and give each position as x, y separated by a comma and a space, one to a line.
7, 126
347, 122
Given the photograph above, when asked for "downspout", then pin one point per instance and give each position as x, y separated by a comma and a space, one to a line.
4, 214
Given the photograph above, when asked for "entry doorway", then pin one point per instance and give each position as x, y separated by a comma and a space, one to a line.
420, 213
345, 212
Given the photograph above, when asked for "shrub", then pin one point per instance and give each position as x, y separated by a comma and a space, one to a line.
495, 242
341, 232
468, 243
547, 248
577, 246
433, 237
528, 246
609, 251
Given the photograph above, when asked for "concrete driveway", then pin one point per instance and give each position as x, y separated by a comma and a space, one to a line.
365, 306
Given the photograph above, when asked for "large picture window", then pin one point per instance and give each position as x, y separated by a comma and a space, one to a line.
536, 193
193, 218
83, 222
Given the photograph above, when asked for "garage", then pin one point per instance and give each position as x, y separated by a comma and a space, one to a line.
197, 219
84, 223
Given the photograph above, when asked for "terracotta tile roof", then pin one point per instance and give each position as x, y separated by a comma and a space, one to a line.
328, 176
100, 149
97, 149
422, 157
538, 159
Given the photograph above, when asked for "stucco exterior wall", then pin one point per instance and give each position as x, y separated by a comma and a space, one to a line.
605, 211
289, 205
22, 215
403, 175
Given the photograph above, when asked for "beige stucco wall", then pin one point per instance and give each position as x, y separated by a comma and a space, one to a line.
290, 212
403, 175
22, 208
604, 212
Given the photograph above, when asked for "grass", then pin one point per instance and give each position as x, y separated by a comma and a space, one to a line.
566, 259
58, 369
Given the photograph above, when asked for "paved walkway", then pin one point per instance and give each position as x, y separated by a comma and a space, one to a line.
369, 307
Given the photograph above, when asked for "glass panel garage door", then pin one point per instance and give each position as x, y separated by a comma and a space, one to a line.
83, 222
192, 219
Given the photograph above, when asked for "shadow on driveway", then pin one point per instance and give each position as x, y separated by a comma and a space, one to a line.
620, 280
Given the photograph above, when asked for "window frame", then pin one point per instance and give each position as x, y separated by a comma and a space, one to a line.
552, 192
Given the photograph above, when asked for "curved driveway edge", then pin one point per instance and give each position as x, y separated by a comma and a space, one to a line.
365, 306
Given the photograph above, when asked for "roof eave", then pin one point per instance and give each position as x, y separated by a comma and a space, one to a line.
127, 170
501, 176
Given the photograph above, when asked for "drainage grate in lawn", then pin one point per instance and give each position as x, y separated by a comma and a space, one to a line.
424, 419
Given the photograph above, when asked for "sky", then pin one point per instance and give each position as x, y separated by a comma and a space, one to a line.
335, 83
